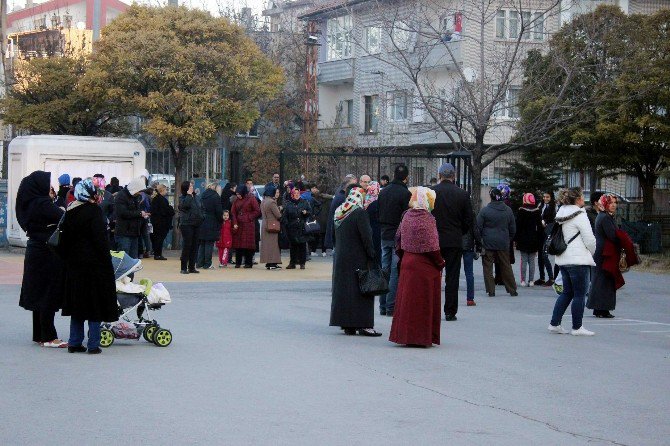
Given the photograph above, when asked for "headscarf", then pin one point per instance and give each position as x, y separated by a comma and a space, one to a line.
529, 199
32, 194
242, 190
422, 198
269, 191
354, 201
372, 193
418, 229
99, 184
504, 190
605, 202
85, 190
295, 191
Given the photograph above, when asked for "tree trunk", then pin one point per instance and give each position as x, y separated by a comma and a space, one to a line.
476, 168
177, 159
647, 183
593, 180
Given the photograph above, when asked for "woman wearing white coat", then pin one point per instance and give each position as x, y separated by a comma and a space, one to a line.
575, 262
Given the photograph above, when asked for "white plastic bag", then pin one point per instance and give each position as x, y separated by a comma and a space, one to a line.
159, 294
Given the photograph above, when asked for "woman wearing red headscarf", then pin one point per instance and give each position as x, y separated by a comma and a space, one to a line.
416, 320
609, 242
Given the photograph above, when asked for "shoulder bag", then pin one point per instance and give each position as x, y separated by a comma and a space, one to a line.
273, 227
54, 240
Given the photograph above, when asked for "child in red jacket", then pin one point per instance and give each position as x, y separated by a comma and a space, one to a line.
225, 240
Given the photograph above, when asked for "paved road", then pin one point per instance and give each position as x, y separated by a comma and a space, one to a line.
256, 363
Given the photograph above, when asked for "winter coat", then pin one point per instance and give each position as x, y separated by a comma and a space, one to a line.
580, 251
496, 225
190, 213
548, 213
161, 215
349, 308
592, 213
244, 213
373, 214
226, 235
107, 206
529, 230
89, 288
210, 203
270, 252
128, 216
453, 214
41, 287
293, 219
226, 195
320, 211
393, 201
62, 196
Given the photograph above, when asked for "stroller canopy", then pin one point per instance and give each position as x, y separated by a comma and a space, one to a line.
124, 264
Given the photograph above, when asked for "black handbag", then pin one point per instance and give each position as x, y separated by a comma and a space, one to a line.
373, 281
54, 240
556, 244
311, 227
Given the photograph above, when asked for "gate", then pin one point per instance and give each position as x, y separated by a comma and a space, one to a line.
328, 170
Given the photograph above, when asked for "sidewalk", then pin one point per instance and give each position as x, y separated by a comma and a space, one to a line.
319, 269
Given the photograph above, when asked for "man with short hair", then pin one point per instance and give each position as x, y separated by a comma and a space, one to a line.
393, 201
274, 183
365, 181
453, 216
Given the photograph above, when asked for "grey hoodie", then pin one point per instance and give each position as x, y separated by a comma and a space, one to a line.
497, 226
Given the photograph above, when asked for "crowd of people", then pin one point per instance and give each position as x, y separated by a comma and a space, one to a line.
414, 234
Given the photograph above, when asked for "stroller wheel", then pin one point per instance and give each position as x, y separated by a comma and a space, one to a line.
162, 337
149, 332
106, 338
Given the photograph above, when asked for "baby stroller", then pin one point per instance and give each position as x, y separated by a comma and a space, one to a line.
134, 299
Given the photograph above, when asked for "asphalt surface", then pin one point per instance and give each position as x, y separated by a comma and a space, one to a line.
256, 363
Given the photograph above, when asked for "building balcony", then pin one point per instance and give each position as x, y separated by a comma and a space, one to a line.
444, 55
336, 72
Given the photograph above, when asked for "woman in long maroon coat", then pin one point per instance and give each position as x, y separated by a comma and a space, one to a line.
416, 320
244, 212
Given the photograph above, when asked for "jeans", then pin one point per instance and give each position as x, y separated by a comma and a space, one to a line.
468, 268
189, 248
575, 285
77, 334
390, 263
128, 244
452, 276
205, 250
527, 263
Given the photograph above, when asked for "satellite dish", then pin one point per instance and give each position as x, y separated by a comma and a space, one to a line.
469, 74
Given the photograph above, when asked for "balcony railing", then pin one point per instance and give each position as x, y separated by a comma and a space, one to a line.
336, 72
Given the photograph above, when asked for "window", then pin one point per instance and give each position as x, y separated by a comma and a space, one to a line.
67, 21
371, 113
513, 25
350, 112
344, 114
400, 36
510, 23
509, 106
538, 26
525, 23
373, 38
55, 21
500, 24
40, 23
339, 38
398, 105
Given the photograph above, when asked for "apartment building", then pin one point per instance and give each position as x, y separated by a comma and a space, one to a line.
385, 68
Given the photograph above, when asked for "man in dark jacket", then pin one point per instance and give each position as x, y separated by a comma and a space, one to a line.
497, 227
129, 217
453, 216
393, 201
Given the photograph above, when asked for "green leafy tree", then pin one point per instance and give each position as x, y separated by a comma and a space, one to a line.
62, 96
188, 74
600, 96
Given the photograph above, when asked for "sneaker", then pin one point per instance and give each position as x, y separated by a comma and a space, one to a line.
530, 284
557, 329
471, 303
548, 283
582, 332
323, 254
523, 283
539, 282
312, 254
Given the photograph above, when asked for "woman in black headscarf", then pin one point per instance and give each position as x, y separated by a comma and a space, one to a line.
41, 290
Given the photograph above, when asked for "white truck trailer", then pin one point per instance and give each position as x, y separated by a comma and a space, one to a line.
78, 156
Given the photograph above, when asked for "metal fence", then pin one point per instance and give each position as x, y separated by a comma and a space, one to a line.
328, 169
